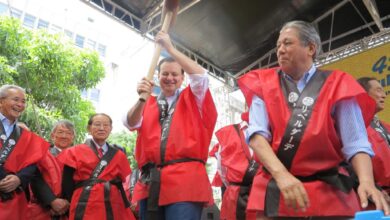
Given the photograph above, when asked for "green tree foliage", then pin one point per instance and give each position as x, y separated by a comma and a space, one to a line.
53, 71
127, 141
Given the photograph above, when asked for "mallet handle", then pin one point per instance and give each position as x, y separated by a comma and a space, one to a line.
157, 50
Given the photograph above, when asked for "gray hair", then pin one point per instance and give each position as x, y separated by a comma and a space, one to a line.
4, 90
69, 125
307, 34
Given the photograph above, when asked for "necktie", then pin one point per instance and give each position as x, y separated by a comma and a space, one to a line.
100, 152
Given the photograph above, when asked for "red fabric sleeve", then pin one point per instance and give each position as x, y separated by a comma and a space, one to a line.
251, 84
124, 166
68, 157
347, 88
214, 150
29, 149
209, 112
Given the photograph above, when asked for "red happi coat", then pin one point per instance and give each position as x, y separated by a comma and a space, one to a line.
51, 170
380, 161
189, 137
320, 148
234, 159
217, 181
28, 150
84, 160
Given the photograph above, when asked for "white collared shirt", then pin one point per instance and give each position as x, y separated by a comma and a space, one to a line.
104, 147
8, 126
57, 148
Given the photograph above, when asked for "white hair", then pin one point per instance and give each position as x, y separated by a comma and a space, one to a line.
4, 90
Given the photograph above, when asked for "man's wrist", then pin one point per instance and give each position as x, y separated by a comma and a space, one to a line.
19, 179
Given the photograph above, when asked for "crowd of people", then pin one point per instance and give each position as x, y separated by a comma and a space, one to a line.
310, 146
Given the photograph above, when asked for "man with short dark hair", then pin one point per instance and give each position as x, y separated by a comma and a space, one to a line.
303, 122
174, 133
94, 173
378, 134
20, 150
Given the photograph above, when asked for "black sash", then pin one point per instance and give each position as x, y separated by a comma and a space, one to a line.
93, 179
381, 129
245, 185
151, 174
166, 114
7, 145
301, 105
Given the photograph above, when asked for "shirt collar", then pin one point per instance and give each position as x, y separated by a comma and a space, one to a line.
59, 149
177, 92
5, 120
306, 77
170, 99
98, 146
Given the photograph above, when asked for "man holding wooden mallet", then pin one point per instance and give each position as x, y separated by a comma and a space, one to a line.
174, 133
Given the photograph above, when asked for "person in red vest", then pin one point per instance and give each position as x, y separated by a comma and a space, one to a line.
20, 150
303, 122
46, 201
239, 167
378, 134
174, 133
217, 181
93, 176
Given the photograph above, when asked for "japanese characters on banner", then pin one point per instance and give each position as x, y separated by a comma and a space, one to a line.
374, 62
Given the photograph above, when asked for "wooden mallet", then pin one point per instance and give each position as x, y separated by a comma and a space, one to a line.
169, 12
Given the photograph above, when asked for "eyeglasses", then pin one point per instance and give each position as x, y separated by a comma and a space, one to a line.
98, 125
64, 133
16, 99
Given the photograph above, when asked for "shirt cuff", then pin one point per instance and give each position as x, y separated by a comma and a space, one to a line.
196, 76
352, 151
131, 128
252, 131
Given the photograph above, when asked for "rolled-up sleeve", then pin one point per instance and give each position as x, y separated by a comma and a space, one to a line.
351, 127
126, 124
199, 83
258, 120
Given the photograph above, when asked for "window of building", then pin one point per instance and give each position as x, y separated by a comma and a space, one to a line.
42, 24
55, 29
69, 34
3, 8
84, 94
79, 41
102, 50
16, 13
91, 94
94, 95
91, 44
29, 21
